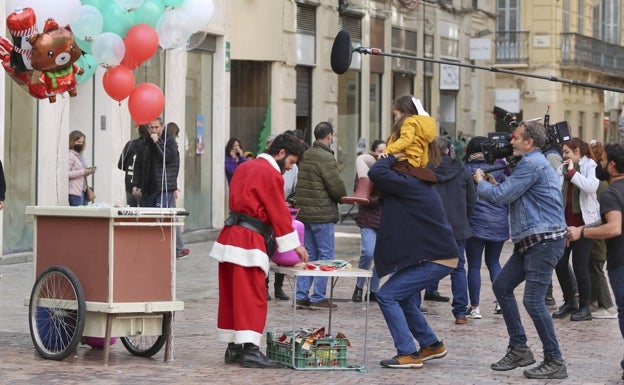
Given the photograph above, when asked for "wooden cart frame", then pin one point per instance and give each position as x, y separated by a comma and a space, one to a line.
103, 272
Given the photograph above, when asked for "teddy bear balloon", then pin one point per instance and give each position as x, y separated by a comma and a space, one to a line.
54, 53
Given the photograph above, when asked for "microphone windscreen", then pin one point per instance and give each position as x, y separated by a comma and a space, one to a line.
341, 53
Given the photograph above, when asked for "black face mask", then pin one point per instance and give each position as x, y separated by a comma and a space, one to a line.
78, 147
601, 173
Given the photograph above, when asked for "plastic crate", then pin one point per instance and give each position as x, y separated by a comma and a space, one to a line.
322, 352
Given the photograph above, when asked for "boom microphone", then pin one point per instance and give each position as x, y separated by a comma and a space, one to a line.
341, 53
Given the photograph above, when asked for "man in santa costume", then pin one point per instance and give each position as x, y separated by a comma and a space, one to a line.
256, 214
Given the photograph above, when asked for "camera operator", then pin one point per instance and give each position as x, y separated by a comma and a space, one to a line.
538, 231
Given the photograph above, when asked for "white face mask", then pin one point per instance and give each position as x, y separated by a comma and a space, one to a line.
332, 143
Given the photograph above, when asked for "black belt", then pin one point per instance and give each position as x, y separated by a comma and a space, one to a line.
253, 224
250, 223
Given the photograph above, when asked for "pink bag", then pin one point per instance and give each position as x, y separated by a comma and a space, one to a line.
290, 258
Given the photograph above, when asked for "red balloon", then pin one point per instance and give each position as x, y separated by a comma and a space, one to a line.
146, 103
141, 43
118, 82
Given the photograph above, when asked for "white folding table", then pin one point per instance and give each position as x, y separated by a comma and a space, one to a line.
333, 275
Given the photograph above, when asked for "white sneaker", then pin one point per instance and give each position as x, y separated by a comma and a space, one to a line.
603, 313
475, 313
497, 309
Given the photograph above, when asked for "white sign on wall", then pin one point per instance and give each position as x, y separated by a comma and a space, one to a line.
480, 49
508, 98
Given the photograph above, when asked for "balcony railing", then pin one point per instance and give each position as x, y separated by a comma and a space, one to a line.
590, 53
512, 47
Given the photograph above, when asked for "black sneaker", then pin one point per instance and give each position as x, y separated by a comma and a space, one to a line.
516, 357
436, 297
549, 368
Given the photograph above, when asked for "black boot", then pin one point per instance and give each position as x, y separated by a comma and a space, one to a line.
357, 295
233, 353
372, 297
583, 314
280, 294
565, 309
252, 357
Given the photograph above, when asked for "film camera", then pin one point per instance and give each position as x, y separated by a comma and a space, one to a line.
498, 145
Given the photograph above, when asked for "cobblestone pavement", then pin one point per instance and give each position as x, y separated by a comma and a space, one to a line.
592, 349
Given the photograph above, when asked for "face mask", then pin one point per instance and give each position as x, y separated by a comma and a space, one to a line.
78, 147
332, 144
601, 173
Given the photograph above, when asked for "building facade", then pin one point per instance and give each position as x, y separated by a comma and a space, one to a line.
264, 67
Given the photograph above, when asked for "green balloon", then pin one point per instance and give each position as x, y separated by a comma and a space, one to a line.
173, 3
117, 20
84, 45
88, 64
99, 4
150, 12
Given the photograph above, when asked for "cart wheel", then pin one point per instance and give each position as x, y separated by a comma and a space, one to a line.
147, 346
57, 313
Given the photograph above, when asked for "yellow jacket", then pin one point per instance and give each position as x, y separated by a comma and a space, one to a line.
416, 133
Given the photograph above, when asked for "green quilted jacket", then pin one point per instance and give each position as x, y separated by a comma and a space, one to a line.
319, 186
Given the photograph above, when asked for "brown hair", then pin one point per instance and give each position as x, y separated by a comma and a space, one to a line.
74, 136
173, 129
595, 150
405, 105
575, 143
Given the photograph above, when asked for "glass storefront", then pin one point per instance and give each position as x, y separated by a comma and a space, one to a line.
195, 146
20, 133
348, 130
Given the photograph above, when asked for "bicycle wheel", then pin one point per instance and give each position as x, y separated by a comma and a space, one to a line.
56, 313
147, 346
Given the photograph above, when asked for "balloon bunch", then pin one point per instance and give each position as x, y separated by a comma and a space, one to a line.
119, 35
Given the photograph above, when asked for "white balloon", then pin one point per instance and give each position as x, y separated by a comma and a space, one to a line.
63, 11
12, 5
89, 24
199, 13
108, 49
173, 29
195, 40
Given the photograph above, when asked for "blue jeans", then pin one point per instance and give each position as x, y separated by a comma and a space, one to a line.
164, 200
459, 284
75, 200
369, 237
536, 267
319, 242
397, 300
474, 253
616, 278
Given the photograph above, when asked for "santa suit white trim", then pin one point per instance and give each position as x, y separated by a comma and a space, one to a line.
257, 190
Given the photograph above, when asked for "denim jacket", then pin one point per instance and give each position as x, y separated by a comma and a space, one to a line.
534, 197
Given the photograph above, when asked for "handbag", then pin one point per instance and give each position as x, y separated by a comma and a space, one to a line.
90, 194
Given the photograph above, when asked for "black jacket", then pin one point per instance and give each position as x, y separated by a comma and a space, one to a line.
457, 192
131, 153
150, 174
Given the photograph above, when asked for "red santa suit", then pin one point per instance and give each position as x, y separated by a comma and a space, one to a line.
257, 190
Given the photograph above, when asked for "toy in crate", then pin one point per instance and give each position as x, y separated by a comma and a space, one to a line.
313, 348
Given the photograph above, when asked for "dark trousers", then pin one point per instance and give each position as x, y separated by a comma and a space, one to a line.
599, 288
580, 260
278, 283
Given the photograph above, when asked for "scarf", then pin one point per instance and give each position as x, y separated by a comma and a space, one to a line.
576, 204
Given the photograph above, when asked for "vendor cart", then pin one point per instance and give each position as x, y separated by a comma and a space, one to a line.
103, 272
